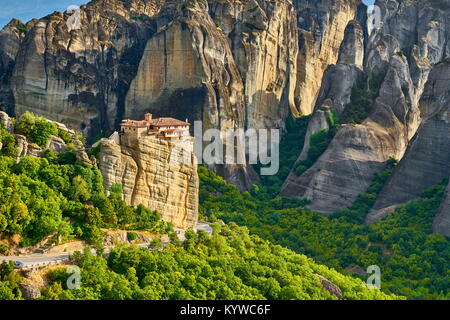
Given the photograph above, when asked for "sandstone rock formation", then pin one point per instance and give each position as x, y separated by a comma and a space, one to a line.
331, 287
442, 221
79, 77
427, 160
412, 38
263, 37
337, 83
322, 26
26, 148
229, 63
54, 143
151, 175
30, 291
5, 121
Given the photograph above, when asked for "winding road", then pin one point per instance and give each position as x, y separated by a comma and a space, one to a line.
47, 259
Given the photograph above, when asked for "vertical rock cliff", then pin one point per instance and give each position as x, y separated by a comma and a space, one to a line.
263, 39
411, 40
427, 160
442, 221
338, 80
10, 38
79, 76
151, 173
321, 30
229, 63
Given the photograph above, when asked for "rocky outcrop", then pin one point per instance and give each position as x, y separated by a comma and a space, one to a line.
25, 147
79, 76
338, 80
331, 287
56, 144
114, 238
441, 223
351, 51
5, 121
150, 174
408, 52
322, 27
427, 160
30, 291
229, 63
358, 152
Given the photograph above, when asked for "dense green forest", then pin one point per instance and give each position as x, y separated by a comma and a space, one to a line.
59, 197
414, 261
56, 195
230, 264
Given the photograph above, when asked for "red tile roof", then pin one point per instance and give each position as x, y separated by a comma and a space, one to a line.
159, 122
167, 122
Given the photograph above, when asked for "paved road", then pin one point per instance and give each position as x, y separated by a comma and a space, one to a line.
36, 260
205, 227
45, 259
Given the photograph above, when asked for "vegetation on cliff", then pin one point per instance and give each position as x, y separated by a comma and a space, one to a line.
60, 198
318, 143
414, 262
357, 212
290, 147
364, 92
231, 264
49, 197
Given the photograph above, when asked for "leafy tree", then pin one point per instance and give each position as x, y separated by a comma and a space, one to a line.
412, 258
232, 264
38, 129
8, 142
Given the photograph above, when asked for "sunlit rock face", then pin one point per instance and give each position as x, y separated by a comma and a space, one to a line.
79, 76
149, 175
337, 82
232, 64
411, 42
322, 27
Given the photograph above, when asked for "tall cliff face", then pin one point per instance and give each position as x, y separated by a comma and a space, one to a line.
229, 63
188, 71
322, 26
79, 76
151, 173
10, 38
427, 160
441, 223
412, 39
262, 37
337, 83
